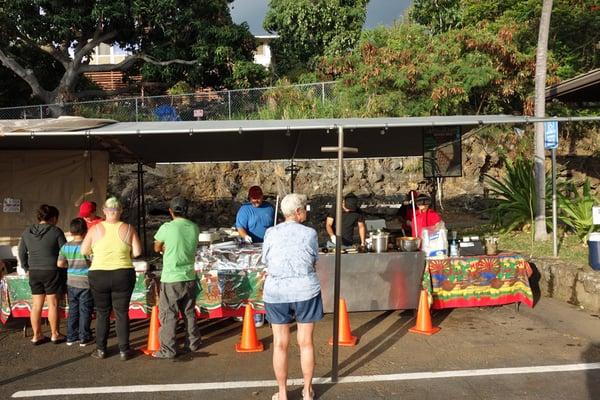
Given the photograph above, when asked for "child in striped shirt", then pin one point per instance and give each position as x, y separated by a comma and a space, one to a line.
81, 304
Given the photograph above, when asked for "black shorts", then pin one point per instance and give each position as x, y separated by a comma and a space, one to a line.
43, 281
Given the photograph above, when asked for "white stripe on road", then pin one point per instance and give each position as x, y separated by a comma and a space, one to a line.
181, 387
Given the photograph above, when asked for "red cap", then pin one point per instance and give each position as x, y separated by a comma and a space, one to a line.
255, 192
86, 209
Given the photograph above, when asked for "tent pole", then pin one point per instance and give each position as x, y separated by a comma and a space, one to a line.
338, 246
145, 251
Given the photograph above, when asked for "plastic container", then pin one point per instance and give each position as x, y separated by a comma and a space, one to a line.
594, 250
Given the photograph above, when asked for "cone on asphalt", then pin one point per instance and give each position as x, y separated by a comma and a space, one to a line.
249, 342
153, 339
423, 325
345, 333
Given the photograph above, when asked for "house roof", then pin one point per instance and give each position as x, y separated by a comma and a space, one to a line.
250, 140
582, 88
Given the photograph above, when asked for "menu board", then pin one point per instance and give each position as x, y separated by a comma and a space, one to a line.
442, 152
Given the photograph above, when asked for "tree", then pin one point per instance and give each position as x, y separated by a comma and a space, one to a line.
438, 15
189, 40
311, 28
540, 111
404, 70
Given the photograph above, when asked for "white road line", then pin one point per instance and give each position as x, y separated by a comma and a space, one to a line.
181, 387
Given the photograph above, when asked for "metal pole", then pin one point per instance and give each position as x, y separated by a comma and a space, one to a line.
139, 202
136, 109
338, 256
229, 102
143, 209
554, 207
338, 245
41, 112
322, 92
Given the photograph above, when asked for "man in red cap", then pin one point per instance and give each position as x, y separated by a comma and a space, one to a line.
87, 211
254, 217
252, 220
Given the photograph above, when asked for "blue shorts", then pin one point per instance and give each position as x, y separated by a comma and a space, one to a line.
303, 312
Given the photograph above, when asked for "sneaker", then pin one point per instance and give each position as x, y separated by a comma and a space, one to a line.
162, 356
99, 354
72, 342
86, 342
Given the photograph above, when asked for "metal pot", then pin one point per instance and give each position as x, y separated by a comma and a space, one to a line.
380, 242
410, 243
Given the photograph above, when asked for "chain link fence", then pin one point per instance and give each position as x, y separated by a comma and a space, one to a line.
210, 105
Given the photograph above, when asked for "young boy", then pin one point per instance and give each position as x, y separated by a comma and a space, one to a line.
81, 304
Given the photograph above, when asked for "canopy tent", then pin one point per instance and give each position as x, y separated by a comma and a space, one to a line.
247, 140
211, 141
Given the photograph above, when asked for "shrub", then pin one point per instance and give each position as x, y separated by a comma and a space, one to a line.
514, 195
576, 210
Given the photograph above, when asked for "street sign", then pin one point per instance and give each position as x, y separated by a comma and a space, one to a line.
198, 113
551, 135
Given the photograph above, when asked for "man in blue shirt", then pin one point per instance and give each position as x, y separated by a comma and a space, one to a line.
254, 217
252, 220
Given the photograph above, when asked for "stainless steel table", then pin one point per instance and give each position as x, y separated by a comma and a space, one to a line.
374, 281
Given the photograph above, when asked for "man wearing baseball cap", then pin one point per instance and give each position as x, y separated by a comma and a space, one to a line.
177, 240
254, 217
87, 211
252, 221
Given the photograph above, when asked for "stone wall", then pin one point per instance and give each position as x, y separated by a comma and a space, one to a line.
566, 282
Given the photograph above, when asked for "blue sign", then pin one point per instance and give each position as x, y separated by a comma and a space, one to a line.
551, 135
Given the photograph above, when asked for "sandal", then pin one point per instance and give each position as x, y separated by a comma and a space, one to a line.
310, 397
60, 339
42, 340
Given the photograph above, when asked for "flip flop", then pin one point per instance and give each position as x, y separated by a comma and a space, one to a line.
59, 339
42, 340
311, 397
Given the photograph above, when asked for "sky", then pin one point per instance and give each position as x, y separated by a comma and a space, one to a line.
379, 12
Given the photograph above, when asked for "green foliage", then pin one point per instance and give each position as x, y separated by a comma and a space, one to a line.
576, 209
312, 28
291, 102
405, 71
574, 26
437, 15
194, 40
247, 74
515, 196
179, 88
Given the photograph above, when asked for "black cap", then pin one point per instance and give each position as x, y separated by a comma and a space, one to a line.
179, 205
423, 199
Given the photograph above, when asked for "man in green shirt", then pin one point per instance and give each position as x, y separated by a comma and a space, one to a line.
177, 240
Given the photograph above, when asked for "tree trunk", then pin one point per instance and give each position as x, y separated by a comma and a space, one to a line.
541, 233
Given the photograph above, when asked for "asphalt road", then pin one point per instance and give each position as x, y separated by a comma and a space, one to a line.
549, 352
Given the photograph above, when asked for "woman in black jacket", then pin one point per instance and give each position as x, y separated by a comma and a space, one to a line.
38, 252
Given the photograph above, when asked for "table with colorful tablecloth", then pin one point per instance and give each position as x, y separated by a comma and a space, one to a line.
15, 298
227, 279
478, 281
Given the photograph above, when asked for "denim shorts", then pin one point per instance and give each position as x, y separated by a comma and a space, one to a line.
302, 311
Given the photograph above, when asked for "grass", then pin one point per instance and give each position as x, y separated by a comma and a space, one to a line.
570, 248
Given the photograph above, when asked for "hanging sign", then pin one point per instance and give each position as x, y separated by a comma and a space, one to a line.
10, 205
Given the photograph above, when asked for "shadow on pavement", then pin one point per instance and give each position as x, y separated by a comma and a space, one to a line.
591, 354
534, 283
44, 369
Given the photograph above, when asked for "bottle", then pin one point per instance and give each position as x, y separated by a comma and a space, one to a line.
454, 248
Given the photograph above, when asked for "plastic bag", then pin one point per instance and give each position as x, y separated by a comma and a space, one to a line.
435, 241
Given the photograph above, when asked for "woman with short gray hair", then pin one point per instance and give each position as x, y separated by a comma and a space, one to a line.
292, 290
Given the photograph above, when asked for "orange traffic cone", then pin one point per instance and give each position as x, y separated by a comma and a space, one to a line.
423, 325
153, 340
249, 343
345, 333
